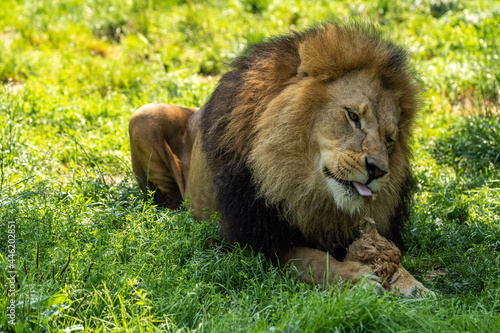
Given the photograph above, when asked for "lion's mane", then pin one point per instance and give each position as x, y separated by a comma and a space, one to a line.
257, 148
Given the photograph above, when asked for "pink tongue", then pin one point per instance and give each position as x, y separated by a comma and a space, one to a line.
362, 189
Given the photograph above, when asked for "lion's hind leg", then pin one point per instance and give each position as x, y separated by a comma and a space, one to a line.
157, 139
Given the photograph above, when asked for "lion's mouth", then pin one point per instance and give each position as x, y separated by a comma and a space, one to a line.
362, 189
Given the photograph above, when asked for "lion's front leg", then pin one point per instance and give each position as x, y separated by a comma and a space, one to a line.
319, 267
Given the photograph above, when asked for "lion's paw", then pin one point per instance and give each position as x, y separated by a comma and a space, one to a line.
404, 284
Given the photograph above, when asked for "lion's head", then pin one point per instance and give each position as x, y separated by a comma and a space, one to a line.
319, 124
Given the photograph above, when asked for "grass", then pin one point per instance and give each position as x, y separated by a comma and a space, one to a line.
92, 254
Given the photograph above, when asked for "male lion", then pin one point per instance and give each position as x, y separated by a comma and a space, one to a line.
291, 149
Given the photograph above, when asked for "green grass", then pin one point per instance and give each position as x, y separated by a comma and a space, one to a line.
93, 254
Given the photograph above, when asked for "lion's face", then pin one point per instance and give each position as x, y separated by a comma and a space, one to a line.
354, 135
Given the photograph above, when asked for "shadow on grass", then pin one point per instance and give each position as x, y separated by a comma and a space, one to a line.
471, 146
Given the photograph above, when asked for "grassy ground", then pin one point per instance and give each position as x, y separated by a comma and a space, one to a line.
91, 253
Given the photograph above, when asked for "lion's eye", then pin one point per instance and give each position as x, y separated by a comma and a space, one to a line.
354, 117
389, 142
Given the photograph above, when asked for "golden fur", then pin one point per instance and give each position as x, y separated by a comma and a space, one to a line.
292, 144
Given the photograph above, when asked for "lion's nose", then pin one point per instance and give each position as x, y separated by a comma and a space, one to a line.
374, 171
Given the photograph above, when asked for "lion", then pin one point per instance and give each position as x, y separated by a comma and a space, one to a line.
291, 148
